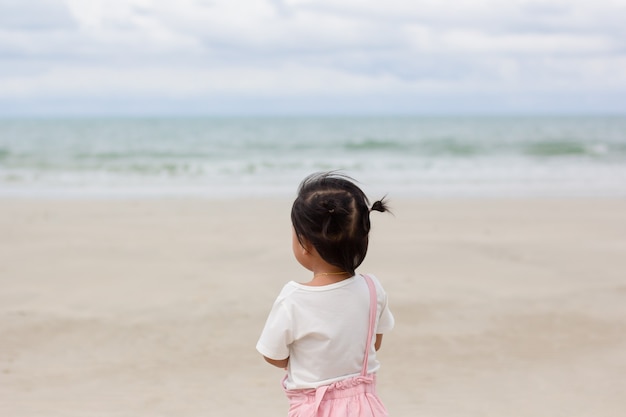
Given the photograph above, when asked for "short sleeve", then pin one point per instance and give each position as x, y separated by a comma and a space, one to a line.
386, 320
277, 333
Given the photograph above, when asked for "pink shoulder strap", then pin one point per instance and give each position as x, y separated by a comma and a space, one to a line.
370, 332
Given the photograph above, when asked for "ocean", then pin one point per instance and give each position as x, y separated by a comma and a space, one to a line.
415, 157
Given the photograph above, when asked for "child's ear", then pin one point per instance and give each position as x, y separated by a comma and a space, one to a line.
307, 247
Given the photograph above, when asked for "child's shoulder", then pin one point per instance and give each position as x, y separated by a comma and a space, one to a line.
377, 282
373, 277
287, 291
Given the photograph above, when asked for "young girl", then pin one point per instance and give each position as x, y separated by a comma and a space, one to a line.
322, 331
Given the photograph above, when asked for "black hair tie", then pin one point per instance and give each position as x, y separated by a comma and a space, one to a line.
330, 206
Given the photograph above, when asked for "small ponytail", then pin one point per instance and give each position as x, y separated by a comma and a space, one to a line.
380, 205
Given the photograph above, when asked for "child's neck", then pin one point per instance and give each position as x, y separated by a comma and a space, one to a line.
326, 278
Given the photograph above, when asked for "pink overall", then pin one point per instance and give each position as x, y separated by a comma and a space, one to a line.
354, 396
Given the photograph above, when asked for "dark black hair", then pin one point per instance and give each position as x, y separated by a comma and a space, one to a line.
333, 214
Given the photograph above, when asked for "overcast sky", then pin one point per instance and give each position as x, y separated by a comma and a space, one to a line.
319, 57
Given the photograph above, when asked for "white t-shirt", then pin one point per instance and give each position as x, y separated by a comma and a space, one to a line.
323, 331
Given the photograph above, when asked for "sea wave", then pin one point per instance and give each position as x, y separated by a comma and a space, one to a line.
411, 156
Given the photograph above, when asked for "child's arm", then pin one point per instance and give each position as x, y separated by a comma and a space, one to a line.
280, 363
379, 341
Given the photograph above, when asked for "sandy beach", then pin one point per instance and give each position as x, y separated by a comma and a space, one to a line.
153, 307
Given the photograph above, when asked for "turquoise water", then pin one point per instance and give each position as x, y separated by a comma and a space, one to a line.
405, 156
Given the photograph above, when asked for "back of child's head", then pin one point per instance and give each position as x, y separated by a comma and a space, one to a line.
332, 214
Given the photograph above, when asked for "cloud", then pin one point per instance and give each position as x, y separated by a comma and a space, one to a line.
90, 50
35, 15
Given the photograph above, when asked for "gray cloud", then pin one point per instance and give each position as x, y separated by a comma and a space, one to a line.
35, 15
293, 49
